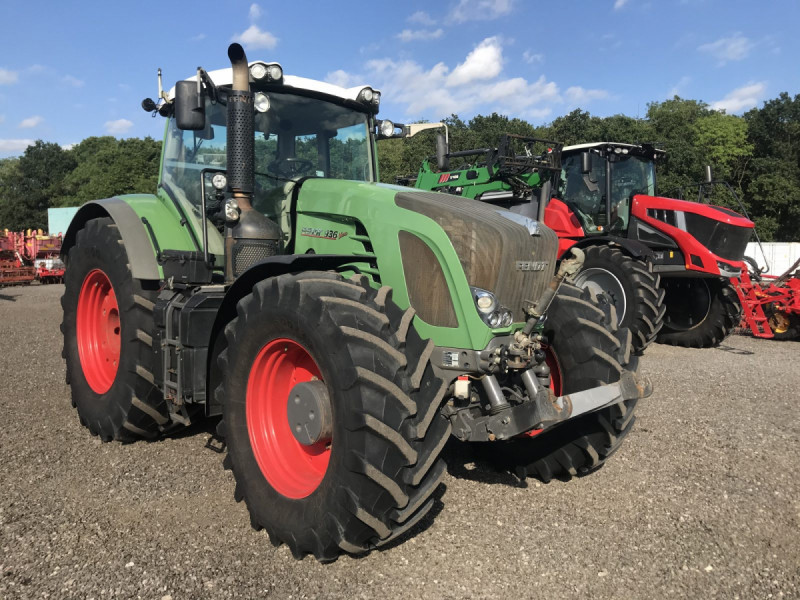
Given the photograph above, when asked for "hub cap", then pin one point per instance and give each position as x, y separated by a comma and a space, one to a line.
98, 331
293, 469
601, 281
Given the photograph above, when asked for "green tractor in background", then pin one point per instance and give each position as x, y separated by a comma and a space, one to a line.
343, 329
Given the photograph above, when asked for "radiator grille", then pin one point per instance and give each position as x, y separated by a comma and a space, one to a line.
489, 243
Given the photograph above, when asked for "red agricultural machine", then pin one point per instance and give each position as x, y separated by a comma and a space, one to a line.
771, 304
26, 256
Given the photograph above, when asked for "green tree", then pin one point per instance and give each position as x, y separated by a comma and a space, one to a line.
772, 183
672, 126
39, 176
106, 167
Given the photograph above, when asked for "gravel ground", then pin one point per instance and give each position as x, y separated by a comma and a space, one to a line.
701, 501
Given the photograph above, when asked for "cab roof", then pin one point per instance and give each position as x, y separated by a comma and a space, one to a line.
223, 77
592, 145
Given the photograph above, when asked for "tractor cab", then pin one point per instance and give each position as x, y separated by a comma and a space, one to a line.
302, 129
599, 180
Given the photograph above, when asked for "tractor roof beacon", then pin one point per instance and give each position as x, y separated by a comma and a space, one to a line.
343, 329
664, 263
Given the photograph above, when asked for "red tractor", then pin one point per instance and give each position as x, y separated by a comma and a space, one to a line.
666, 264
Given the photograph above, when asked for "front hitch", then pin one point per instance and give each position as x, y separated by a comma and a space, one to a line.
546, 410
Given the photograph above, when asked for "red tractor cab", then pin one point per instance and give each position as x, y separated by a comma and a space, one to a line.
664, 263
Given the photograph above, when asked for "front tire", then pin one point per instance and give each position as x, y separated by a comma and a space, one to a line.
632, 288
108, 335
701, 312
586, 349
372, 476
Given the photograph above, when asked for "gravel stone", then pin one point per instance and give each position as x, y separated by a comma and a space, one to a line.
701, 501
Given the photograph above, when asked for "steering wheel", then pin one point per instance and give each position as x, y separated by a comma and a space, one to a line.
291, 166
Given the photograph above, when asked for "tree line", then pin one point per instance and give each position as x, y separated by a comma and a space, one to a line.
758, 153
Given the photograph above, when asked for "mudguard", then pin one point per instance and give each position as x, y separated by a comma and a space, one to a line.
130, 213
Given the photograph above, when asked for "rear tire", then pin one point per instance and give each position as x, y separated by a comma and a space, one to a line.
586, 350
632, 288
701, 312
380, 463
108, 335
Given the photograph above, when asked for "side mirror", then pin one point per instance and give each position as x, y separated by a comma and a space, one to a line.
190, 113
586, 162
441, 153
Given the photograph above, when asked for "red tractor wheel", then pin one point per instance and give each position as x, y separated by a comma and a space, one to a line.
586, 349
108, 331
330, 413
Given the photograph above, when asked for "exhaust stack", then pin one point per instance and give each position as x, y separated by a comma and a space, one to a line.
252, 237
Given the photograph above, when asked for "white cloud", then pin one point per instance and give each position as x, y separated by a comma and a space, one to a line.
255, 12
736, 47
618, 4
480, 10
68, 146
483, 63
410, 35
2, 118
8, 77
531, 58
198, 38
72, 80
14, 145
429, 93
30, 122
433, 92
253, 37
118, 126
421, 18
741, 98
340, 78
578, 95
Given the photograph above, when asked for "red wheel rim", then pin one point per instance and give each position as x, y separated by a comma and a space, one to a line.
556, 381
98, 331
293, 469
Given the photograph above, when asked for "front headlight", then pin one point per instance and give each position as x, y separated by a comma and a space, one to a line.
492, 312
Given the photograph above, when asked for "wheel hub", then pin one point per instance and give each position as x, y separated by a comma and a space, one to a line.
602, 281
309, 412
98, 331
293, 468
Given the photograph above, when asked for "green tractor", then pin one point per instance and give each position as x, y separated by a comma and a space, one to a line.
344, 330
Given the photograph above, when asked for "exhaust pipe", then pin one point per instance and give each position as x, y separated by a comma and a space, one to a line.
241, 145
252, 237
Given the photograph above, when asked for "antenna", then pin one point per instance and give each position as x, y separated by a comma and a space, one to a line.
161, 94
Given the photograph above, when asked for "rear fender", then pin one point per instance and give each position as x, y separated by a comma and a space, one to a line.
147, 224
141, 254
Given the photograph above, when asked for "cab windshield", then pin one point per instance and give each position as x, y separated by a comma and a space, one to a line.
296, 137
585, 193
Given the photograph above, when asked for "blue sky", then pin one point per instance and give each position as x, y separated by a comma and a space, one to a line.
69, 70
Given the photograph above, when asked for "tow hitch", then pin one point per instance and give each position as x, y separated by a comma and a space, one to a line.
546, 410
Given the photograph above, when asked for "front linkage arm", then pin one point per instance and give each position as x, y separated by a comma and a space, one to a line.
546, 410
